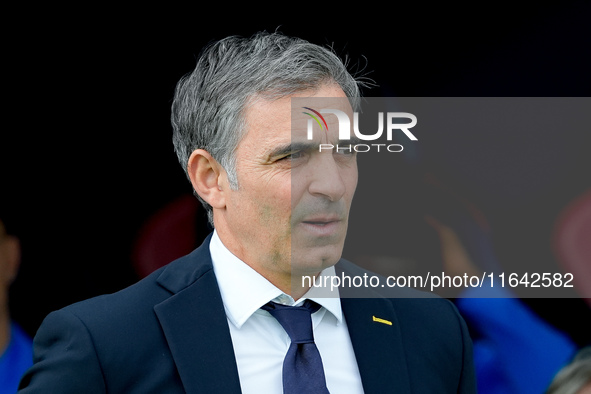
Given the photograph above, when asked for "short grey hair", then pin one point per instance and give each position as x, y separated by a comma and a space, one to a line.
574, 376
209, 103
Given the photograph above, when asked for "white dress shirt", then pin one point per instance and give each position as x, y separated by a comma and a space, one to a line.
260, 343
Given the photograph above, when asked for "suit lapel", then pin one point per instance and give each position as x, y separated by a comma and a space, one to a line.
377, 342
195, 326
377, 345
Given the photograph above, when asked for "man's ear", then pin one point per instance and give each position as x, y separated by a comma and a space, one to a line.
207, 177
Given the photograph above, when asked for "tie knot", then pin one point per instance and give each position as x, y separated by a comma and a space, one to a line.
295, 320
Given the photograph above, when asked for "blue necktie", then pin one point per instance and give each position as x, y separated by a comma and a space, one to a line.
302, 368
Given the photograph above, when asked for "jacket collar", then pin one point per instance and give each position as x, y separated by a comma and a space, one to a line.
195, 326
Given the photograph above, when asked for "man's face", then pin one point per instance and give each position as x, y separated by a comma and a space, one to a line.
289, 215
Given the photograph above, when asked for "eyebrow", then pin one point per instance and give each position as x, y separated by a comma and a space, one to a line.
307, 146
293, 147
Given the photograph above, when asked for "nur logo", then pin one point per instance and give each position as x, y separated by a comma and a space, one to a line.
316, 119
345, 128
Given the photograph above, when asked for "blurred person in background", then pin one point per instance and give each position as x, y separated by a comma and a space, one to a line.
16, 353
574, 378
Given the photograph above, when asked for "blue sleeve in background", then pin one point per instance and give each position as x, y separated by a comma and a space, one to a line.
515, 351
15, 360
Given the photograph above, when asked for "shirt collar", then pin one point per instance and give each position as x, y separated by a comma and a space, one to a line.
244, 290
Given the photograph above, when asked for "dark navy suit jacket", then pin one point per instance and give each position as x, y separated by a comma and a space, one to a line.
168, 333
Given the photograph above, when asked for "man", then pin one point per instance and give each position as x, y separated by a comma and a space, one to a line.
196, 325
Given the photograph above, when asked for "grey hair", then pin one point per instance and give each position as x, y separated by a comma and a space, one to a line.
209, 103
575, 376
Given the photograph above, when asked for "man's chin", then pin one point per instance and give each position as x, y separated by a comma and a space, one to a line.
315, 260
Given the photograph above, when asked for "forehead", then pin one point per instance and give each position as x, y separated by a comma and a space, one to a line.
289, 118
320, 118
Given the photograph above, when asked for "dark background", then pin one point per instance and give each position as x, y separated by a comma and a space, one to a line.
86, 144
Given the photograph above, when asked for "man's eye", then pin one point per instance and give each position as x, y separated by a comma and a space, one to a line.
346, 150
293, 156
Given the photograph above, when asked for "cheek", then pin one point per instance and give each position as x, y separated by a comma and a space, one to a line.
298, 188
275, 208
274, 197
351, 177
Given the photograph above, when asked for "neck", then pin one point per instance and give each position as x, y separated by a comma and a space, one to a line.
291, 284
296, 290
278, 271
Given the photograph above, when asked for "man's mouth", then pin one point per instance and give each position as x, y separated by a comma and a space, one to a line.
322, 226
322, 221
319, 223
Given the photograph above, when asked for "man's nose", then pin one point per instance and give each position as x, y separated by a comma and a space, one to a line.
327, 178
